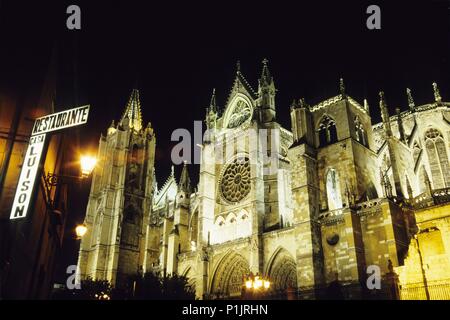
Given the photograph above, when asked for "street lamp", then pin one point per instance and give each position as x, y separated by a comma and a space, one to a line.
102, 296
87, 165
257, 283
51, 180
80, 230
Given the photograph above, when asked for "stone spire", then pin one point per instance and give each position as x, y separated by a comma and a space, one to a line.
437, 95
211, 117
133, 111
401, 129
212, 103
411, 103
112, 128
266, 94
238, 66
392, 154
266, 78
302, 103
294, 104
366, 106
185, 181
385, 115
342, 87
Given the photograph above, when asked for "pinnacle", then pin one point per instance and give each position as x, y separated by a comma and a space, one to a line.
133, 111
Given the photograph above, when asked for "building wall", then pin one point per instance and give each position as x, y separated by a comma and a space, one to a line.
427, 264
118, 212
29, 247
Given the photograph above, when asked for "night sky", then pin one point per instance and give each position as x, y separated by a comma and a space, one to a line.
175, 53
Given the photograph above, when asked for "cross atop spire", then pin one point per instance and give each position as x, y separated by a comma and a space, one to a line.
266, 78
240, 84
411, 103
133, 111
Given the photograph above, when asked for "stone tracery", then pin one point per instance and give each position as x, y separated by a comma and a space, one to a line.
283, 271
236, 180
229, 276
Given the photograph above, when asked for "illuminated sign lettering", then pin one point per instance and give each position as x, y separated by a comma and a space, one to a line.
61, 120
27, 178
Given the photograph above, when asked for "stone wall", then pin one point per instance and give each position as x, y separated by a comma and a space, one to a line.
427, 264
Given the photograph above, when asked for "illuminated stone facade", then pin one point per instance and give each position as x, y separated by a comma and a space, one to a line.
120, 201
307, 207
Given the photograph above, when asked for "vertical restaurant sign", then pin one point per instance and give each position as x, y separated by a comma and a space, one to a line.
27, 178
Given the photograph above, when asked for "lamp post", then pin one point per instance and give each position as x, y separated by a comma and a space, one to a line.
257, 285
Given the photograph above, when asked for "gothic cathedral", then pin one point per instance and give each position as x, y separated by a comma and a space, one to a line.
308, 207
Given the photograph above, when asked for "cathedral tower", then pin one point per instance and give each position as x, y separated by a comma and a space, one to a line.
120, 201
244, 187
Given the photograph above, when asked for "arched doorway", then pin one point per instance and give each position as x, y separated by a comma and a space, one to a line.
229, 277
282, 272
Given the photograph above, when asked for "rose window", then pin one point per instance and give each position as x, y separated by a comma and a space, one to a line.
236, 180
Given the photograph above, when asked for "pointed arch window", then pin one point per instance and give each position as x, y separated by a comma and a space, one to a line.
438, 158
327, 131
333, 190
361, 135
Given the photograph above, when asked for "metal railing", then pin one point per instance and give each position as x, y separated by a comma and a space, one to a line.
437, 290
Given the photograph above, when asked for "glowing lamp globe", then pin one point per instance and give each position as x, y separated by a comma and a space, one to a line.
87, 165
80, 230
